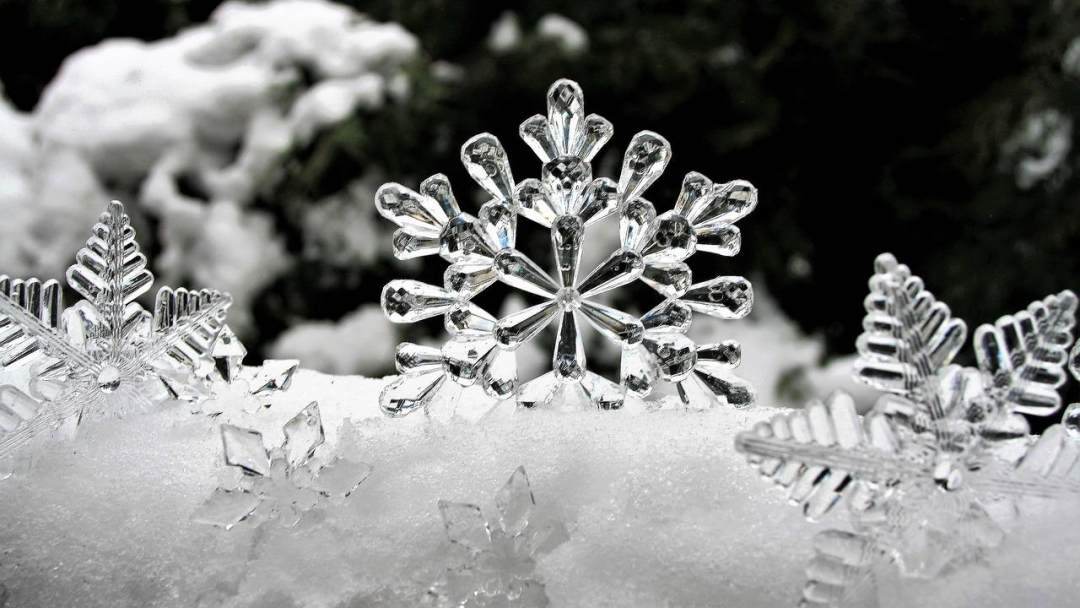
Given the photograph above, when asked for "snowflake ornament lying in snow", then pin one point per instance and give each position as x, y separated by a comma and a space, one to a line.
282, 483
567, 200
932, 473
104, 353
499, 563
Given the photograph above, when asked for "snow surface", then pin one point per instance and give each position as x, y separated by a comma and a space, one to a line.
661, 512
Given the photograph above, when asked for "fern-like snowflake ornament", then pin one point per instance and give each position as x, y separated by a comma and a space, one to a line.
567, 200
106, 353
925, 473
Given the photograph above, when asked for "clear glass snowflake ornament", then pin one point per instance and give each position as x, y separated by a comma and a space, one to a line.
567, 200
932, 474
499, 561
282, 483
105, 353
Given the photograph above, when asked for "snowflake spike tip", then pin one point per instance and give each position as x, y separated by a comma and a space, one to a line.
566, 200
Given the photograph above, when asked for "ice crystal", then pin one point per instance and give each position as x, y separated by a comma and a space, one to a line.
567, 200
282, 483
499, 564
105, 353
925, 471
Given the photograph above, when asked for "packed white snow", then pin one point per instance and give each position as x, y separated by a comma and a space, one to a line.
660, 509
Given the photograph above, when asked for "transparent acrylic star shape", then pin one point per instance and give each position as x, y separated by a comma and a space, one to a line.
497, 560
567, 201
934, 473
105, 353
283, 483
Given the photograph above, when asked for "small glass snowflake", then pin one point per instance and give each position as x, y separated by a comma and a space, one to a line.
499, 560
105, 353
567, 200
282, 483
933, 472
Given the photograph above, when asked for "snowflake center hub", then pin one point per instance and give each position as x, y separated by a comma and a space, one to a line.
568, 298
108, 378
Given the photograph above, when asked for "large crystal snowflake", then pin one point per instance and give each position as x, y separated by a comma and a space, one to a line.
928, 474
499, 564
282, 483
105, 353
567, 200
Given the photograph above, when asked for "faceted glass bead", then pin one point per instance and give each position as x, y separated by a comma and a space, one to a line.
566, 235
645, 159
728, 204
539, 391
500, 373
415, 213
408, 246
406, 301
600, 199
517, 270
721, 355
537, 203
1071, 420
463, 239
634, 223
537, 134
566, 115
613, 324
498, 225
675, 355
485, 160
437, 188
463, 358
668, 316
468, 318
567, 177
514, 329
721, 239
414, 358
568, 362
409, 393
729, 389
466, 279
672, 239
723, 297
671, 279
604, 394
638, 372
620, 268
597, 133
695, 187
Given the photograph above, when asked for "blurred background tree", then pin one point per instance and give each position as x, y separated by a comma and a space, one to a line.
942, 132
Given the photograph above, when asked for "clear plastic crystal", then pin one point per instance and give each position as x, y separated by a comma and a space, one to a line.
918, 470
106, 353
566, 199
283, 483
499, 564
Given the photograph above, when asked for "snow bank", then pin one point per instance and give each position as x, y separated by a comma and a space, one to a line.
661, 512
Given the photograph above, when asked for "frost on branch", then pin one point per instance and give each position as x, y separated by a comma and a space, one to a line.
500, 555
567, 201
924, 473
105, 353
282, 483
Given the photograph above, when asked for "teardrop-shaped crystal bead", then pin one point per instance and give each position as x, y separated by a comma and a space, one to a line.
599, 200
620, 268
722, 297
517, 270
604, 394
614, 324
538, 392
536, 202
729, 203
463, 358
729, 390
412, 358
463, 240
638, 371
695, 186
536, 133
409, 393
566, 234
466, 279
499, 374
634, 223
568, 361
408, 246
720, 355
598, 131
468, 318
671, 279
415, 213
567, 177
519, 327
675, 355
485, 160
498, 224
566, 115
437, 188
671, 240
670, 315
721, 239
645, 159
406, 301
